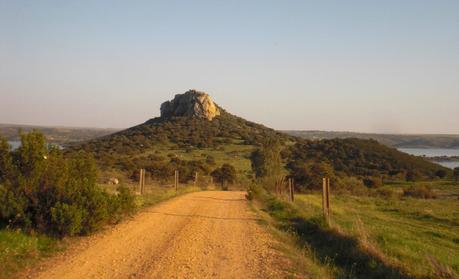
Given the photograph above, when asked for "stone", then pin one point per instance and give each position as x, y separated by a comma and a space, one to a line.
113, 181
192, 103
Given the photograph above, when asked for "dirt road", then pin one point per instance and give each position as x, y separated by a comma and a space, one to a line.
198, 235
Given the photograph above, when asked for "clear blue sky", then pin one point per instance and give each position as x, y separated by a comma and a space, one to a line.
368, 66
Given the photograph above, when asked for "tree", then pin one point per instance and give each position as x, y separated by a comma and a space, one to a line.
456, 173
373, 182
310, 174
5, 159
257, 159
225, 174
441, 173
267, 162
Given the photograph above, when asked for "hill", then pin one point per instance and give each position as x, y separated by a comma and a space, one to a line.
195, 134
59, 135
395, 140
365, 158
192, 134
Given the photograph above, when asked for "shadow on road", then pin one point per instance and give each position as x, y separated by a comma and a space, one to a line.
206, 217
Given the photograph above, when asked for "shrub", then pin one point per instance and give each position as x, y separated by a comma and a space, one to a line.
44, 191
249, 195
386, 193
373, 182
310, 174
441, 173
350, 184
456, 173
125, 199
420, 191
66, 219
225, 174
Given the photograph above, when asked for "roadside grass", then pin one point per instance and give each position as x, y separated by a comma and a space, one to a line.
19, 250
304, 263
408, 231
372, 237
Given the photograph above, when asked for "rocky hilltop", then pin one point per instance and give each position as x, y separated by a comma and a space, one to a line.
192, 103
194, 128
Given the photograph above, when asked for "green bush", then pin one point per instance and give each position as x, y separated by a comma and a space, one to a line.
373, 182
66, 219
420, 191
124, 201
309, 174
223, 175
249, 195
386, 193
351, 185
456, 173
40, 189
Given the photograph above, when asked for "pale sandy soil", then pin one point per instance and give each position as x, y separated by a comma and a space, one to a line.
198, 235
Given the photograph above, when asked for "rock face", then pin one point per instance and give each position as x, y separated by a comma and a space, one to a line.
191, 104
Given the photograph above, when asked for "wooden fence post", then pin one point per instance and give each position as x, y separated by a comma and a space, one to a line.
324, 198
142, 181
292, 190
176, 176
195, 178
328, 197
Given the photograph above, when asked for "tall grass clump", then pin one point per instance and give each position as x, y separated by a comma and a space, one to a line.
420, 191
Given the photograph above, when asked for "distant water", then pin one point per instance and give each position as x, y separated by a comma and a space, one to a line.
14, 144
432, 152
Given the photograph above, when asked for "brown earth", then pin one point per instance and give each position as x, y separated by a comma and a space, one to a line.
199, 235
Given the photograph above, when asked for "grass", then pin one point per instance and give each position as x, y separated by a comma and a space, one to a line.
304, 264
18, 250
236, 153
375, 238
405, 230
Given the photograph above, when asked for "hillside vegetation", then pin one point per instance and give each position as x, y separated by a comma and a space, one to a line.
357, 158
395, 140
43, 191
193, 143
189, 144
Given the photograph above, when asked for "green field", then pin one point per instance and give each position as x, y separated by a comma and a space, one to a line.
18, 250
235, 153
395, 238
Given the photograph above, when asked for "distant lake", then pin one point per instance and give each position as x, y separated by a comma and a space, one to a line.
15, 144
433, 152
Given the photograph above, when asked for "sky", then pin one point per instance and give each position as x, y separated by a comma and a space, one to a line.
365, 66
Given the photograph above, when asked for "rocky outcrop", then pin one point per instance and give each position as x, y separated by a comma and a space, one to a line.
190, 104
